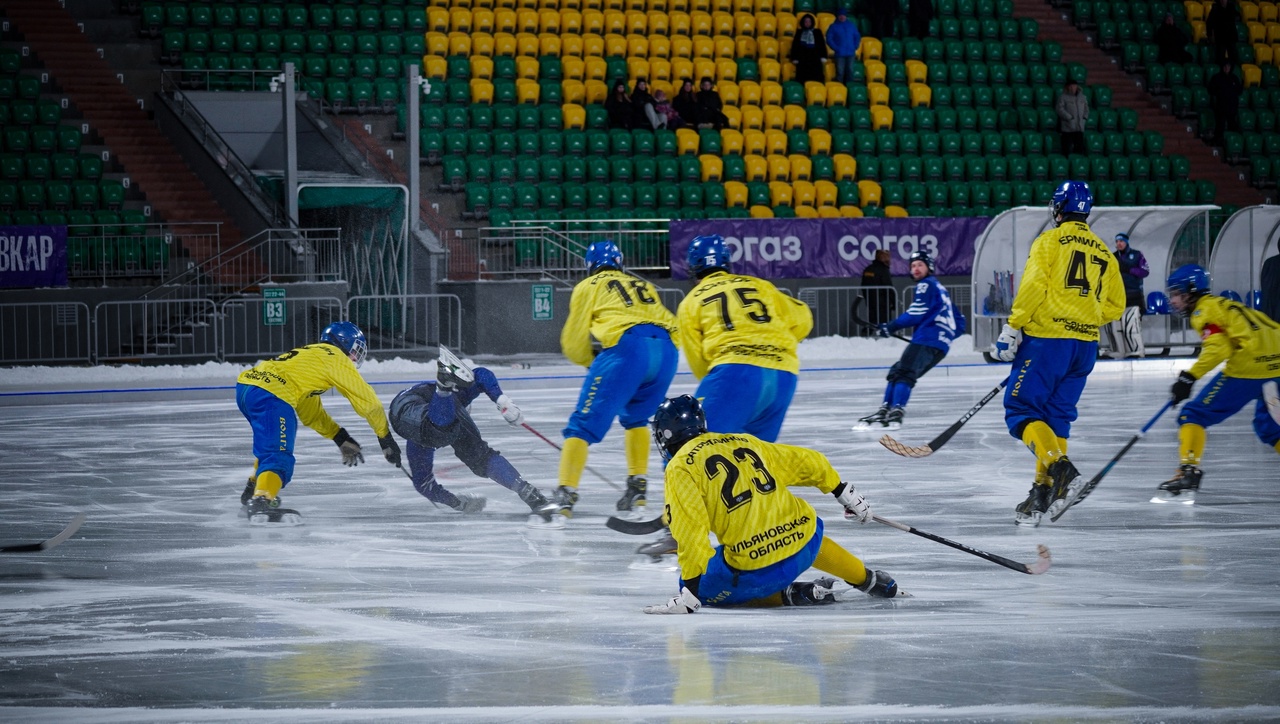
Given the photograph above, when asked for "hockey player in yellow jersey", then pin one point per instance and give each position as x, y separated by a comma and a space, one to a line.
740, 334
1070, 287
1248, 341
277, 393
627, 380
737, 487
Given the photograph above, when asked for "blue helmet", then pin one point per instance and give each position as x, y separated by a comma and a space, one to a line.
677, 421
602, 255
1072, 197
707, 253
348, 338
1190, 279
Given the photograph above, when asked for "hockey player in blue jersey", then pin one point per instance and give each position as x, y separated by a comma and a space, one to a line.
433, 415
937, 321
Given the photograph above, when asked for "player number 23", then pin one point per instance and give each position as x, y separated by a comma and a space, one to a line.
762, 481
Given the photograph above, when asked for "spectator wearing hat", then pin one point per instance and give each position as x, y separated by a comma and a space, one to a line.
1125, 334
808, 51
1171, 41
642, 113
618, 105
844, 39
1073, 112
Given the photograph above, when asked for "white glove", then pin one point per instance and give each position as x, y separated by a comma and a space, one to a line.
509, 411
855, 506
686, 602
1007, 343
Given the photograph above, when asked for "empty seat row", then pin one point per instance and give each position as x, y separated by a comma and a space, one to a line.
42, 139
35, 195
39, 166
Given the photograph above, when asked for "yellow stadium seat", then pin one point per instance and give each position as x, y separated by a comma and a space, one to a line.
815, 93
596, 68
659, 71
527, 68
757, 168
527, 21
527, 45
482, 4
752, 118
766, 25
770, 93
1262, 53
549, 44
744, 24
680, 25
712, 167
775, 118
767, 48
780, 194
526, 4
592, 5
460, 44
573, 91
878, 93
795, 116
659, 47
1248, 11
744, 47
921, 95
722, 24
481, 67
734, 115
462, 3
761, 212
1194, 10
616, 45
437, 20
868, 193
661, 85
681, 47
917, 71
850, 212
482, 21
571, 22
482, 44
592, 45
753, 143
527, 91
615, 22
876, 71
574, 68
504, 21
1267, 13
481, 92
659, 23
504, 44
770, 6
725, 47
435, 67
1256, 33
837, 94
827, 212
749, 92
593, 22
704, 47
871, 49
787, 24
846, 167
460, 20
637, 68
687, 141
775, 142
804, 211
729, 92
893, 211
637, 46
575, 116
699, 6
1273, 33
726, 70
637, 23
779, 167
819, 142
549, 21
704, 69
735, 195
730, 142
700, 24
438, 44
881, 118
1252, 75
1198, 32
824, 21
682, 68
635, 5
662, 6
597, 91
771, 70
801, 170
825, 194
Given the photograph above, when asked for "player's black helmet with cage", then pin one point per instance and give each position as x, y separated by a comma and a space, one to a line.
677, 421
923, 257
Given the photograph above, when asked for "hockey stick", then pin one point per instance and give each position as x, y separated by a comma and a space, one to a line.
1089, 486
1040, 566
635, 527
926, 450
552, 443
857, 317
45, 545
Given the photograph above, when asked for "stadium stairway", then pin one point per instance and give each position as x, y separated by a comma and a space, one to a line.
174, 191
1179, 137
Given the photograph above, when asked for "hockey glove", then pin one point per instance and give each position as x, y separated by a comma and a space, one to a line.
883, 330
351, 455
855, 506
390, 450
509, 411
1007, 343
1181, 389
686, 602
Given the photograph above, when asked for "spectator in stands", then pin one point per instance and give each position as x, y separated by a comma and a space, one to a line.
1172, 42
1221, 28
843, 38
664, 116
919, 15
880, 299
808, 51
710, 113
1073, 112
686, 104
1225, 90
1270, 287
618, 105
882, 14
642, 113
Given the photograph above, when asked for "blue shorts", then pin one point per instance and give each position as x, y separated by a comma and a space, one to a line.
627, 381
1223, 397
1046, 382
275, 427
725, 586
916, 360
727, 399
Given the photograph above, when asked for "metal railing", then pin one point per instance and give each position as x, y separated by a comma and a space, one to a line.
145, 330
407, 324
45, 332
246, 334
833, 306
130, 251
554, 248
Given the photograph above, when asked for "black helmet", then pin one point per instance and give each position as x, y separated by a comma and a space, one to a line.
677, 421
922, 256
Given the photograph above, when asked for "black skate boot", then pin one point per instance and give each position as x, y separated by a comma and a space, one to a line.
874, 420
470, 503
1030, 511
1181, 488
880, 585
818, 592
249, 487
565, 497
262, 510
544, 512
663, 546
893, 419
633, 496
1064, 481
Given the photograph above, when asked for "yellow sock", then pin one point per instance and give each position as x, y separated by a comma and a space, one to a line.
1042, 473
1277, 447
1191, 443
1062, 445
1039, 438
573, 460
837, 561
268, 485
637, 444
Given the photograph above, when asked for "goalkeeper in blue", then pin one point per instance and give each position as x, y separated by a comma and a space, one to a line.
937, 322
277, 393
434, 415
737, 487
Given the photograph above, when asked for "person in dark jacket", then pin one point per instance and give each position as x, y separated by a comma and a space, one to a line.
618, 105
641, 105
1225, 90
1270, 287
919, 15
1171, 41
710, 113
1221, 28
883, 15
686, 104
880, 299
808, 51
1125, 334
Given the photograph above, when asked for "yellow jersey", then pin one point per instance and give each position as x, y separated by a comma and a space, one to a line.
1070, 286
300, 376
1246, 339
736, 487
606, 304
737, 319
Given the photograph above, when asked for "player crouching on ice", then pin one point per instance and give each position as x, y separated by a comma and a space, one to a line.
1249, 342
278, 392
433, 415
735, 485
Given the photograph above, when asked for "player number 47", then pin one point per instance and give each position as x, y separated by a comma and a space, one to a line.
1076, 273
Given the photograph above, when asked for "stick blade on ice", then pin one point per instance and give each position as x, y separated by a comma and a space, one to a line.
45, 545
906, 451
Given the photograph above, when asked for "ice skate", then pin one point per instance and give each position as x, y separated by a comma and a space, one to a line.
874, 421
247, 493
266, 511
1181, 488
470, 503
893, 420
1030, 511
543, 513
634, 496
657, 555
818, 592
1064, 482
565, 498
880, 585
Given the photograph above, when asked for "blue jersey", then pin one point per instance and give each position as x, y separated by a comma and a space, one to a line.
442, 411
937, 321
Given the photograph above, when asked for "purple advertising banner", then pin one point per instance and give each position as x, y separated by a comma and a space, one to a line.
831, 248
33, 256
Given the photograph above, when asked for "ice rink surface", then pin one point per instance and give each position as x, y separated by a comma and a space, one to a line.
168, 606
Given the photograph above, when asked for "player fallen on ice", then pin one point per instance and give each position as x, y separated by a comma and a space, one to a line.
937, 321
627, 380
736, 486
1070, 287
277, 393
1248, 341
435, 414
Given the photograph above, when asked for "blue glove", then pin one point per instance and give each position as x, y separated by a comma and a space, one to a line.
884, 330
